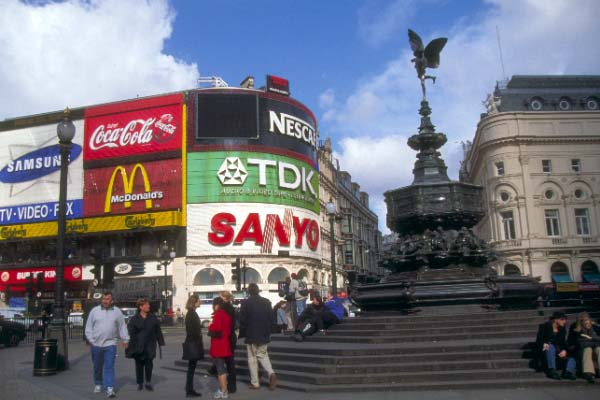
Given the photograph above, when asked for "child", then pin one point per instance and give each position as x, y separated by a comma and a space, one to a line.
220, 346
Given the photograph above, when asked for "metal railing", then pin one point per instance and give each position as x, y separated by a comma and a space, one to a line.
35, 328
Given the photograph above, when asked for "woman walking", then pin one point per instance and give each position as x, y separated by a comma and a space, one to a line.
145, 333
193, 350
220, 346
231, 372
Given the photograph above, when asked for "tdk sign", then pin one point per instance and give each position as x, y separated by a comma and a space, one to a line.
36, 164
286, 124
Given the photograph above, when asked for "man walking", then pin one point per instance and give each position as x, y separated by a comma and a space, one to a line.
105, 325
256, 319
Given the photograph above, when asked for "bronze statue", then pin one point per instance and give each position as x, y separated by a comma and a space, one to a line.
428, 57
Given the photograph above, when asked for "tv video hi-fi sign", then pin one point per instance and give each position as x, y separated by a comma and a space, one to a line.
252, 177
30, 175
136, 127
252, 229
133, 188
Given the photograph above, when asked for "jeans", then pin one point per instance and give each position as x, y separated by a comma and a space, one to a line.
103, 359
258, 353
300, 305
551, 360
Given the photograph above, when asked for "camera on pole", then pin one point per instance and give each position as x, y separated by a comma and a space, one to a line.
236, 273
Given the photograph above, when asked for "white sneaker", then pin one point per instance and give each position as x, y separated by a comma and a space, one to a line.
221, 395
110, 393
98, 389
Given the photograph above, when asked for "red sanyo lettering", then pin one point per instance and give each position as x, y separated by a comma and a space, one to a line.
223, 233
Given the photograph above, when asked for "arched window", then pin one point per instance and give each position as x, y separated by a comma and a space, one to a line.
209, 276
560, 272
302, 274
511, 269
278, 274
252, 276
589, 267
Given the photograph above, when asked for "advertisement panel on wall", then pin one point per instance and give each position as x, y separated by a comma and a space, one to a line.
251, 177
94, 225
237, 118
30, 175
20, 276
252, 229
129, 188
133, 128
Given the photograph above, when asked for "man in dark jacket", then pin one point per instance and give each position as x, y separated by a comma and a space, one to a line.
256, 319
551, 343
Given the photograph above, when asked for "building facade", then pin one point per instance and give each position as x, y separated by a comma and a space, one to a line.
536, 152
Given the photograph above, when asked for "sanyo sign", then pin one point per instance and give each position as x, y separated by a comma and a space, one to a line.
286, 124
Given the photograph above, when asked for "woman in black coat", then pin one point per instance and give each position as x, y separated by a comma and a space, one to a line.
145, 333
193, 349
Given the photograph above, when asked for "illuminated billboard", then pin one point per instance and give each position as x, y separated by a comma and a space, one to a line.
130, 188
30, 175
252, 229
20, 276
252, 177
133, 128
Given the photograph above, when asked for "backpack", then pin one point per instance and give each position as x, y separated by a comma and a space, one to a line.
302, 289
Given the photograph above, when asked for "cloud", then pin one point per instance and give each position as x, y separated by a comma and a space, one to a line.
78, 52
377, 24
537, 37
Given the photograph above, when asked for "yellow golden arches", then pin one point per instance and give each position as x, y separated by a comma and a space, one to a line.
128, 183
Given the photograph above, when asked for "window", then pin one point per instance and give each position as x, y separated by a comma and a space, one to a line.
208, 276
576, 165
278, 274
560, 272
347, 223
552, 223
511, 269
348, 252
504, 196
582, 221
251, 276
549, 194
547, 166
580, 194
508, 224
500, 168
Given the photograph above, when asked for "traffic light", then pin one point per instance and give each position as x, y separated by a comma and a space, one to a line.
39, 284
236, 273
7, 295
108, 274
97, 271
29, 285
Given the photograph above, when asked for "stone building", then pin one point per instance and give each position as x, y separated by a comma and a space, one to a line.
536, 152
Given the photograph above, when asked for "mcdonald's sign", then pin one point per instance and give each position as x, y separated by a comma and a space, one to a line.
148, 187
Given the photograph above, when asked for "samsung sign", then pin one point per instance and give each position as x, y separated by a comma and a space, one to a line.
36, 164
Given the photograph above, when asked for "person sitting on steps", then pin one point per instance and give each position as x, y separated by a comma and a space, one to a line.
320, 319
585, 335
551, 344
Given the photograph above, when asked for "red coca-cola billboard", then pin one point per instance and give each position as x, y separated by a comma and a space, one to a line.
133, 188
133, 128
20, 276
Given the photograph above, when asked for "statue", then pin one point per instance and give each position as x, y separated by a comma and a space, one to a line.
428, 57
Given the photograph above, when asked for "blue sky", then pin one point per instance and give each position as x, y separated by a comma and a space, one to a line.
347, 60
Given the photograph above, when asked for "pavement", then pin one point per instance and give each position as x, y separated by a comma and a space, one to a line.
18, 383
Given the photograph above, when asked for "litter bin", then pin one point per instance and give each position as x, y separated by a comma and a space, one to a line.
44, 362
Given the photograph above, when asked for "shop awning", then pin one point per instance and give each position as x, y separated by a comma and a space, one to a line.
561, 278
591, 278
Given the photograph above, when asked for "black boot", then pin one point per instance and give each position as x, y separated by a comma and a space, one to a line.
192, 393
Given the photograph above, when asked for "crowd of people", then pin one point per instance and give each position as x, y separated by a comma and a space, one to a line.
570, 350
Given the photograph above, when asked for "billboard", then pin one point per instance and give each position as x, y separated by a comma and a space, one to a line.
252, 177
20, 276
126, 222
130, 188
252, 229
30, 175
133, 128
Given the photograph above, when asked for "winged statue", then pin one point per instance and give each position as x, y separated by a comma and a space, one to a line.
425, 57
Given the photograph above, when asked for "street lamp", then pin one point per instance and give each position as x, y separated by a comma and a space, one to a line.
331, 211
65, 131
168, 255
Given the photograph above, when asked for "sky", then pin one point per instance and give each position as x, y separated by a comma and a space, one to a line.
346, 60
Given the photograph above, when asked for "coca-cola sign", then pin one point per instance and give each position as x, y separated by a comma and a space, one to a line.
133, 128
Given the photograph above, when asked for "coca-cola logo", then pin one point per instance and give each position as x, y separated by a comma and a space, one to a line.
133, 133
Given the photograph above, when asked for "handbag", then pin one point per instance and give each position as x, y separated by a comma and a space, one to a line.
192, 350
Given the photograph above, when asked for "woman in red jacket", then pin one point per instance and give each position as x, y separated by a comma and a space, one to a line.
220, 346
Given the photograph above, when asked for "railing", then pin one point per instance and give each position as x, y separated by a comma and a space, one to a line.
559, 241
588, 240
508, 243
35, 328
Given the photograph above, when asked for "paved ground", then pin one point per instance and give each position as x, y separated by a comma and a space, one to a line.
18, 383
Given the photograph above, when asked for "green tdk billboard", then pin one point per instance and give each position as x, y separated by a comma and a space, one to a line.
252, 177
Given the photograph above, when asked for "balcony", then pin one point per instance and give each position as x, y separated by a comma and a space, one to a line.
558, 241
504, 244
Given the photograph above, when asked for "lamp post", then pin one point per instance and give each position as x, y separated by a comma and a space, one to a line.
168, 255
331, 211
65, 131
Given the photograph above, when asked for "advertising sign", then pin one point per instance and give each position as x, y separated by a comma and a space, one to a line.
30, 175
125, 189
252, 229
95, 224
20, 276
133, 127
249, 177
